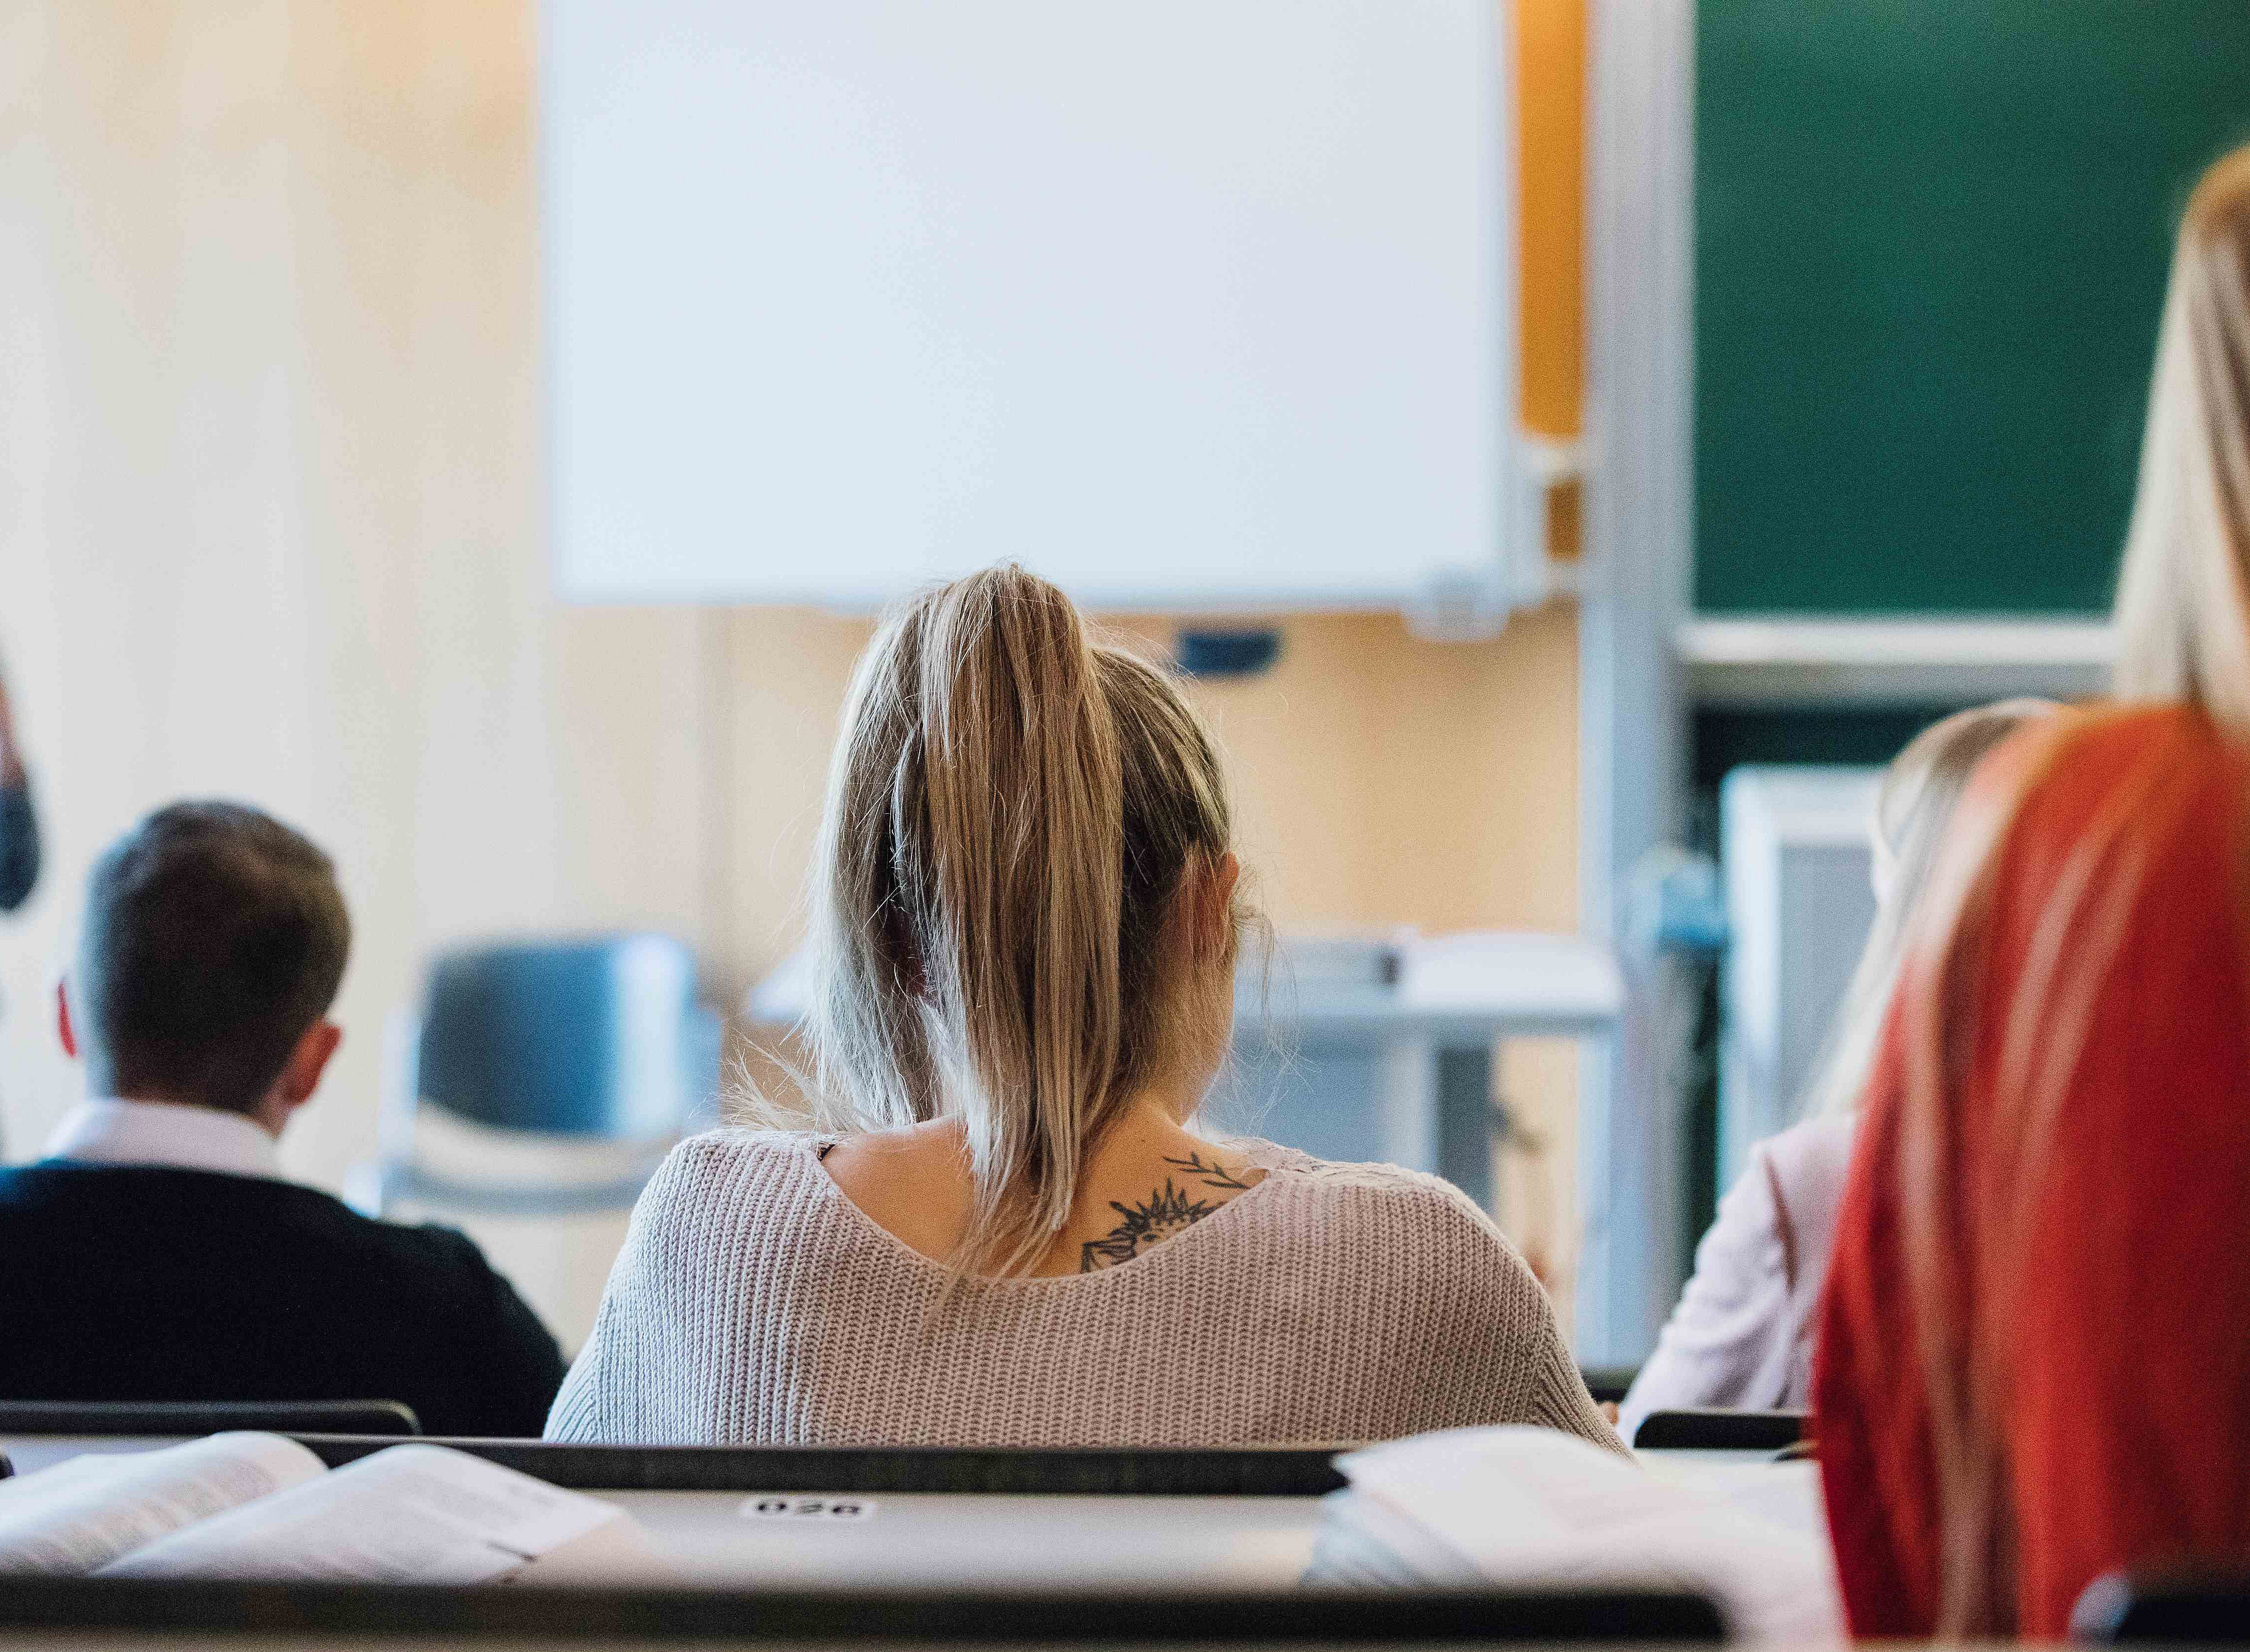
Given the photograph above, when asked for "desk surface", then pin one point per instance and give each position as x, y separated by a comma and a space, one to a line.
956, 1540
1158, 1568
965, 1541
935, 1540
952, 1541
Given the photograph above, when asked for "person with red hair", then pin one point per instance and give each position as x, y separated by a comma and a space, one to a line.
2034, 1361
2035, 1358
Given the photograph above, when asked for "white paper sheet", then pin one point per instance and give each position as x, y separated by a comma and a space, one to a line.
409, 1514
1533, 1506
82, 1514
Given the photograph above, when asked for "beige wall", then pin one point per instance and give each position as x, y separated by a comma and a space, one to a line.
1380, 780
270, 527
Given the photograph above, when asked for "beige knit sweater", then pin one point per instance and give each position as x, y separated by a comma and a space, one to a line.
753, 1302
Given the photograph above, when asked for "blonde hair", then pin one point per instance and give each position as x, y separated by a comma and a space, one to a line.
2182, 608
1012, 810
1920, 791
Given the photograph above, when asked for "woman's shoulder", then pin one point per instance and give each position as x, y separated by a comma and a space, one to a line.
735, 1143
1367, 1196
731, 1161
1411, 1242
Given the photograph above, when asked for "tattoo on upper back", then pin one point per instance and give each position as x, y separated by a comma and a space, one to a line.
1165, 1212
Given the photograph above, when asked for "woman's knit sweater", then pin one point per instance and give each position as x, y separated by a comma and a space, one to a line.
753, 1302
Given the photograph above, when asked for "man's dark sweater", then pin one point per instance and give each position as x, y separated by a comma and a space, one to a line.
129, 1282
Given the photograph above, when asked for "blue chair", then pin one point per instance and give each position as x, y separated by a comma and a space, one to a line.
595, 1041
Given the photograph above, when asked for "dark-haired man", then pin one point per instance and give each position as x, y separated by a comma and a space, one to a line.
157, 1253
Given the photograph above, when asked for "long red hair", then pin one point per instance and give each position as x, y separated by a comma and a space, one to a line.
2096, 873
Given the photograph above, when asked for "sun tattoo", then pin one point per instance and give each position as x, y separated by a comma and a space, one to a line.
1165, 1212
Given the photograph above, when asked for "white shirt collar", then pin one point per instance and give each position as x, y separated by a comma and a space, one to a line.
110, 1131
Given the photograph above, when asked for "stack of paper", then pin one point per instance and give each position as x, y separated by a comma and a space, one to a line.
260, 1506
1532, 1508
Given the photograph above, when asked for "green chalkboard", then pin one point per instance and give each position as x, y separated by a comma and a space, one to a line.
1931, 238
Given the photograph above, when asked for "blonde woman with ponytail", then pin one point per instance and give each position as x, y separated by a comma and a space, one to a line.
2035, 1363
1003, 1228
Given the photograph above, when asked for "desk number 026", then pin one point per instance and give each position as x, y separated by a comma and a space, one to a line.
820, 1509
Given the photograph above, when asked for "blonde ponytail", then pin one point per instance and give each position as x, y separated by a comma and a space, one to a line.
1012, 810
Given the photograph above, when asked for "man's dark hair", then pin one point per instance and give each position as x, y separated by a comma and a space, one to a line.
214, 937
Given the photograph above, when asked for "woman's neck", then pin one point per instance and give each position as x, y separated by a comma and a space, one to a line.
1150, 1179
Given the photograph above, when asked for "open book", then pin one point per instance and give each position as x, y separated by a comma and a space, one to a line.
1531, 1507
260, 1506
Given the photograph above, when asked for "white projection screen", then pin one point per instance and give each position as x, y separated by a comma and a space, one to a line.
1200, 304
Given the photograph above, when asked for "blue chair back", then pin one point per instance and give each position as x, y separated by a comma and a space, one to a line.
601, 1038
